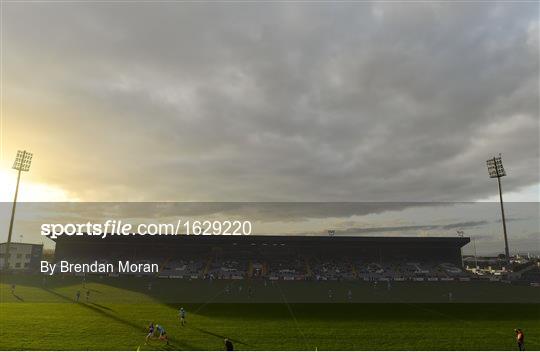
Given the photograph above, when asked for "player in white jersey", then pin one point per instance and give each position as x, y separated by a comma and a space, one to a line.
182, 315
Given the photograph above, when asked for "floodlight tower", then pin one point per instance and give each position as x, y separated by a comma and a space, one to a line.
496, 170
22, 163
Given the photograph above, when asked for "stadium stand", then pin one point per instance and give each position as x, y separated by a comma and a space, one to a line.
278, 257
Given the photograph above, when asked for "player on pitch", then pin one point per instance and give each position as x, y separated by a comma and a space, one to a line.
182, 315
520, 338
162, 333
150, 332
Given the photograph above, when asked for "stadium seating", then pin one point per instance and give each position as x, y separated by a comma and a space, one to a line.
297, 267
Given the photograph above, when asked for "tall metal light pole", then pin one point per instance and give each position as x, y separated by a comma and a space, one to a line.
496, 170
22, 163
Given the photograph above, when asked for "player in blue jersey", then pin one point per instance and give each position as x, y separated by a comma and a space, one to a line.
162, 333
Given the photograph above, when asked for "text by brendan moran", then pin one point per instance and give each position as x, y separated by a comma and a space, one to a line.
121, 267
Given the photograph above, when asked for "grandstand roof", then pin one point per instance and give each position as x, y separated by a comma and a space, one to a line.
457, 242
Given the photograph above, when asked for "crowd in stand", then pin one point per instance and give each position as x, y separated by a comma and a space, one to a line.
293, 269
332, 270
299, 268
228, 269
182, 268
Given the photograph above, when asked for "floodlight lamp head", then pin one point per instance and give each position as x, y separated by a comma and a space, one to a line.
22, 161
495, 167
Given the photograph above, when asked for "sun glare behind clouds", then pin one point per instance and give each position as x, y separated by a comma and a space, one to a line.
30, 191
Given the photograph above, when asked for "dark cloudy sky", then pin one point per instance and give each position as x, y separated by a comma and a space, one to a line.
271, 101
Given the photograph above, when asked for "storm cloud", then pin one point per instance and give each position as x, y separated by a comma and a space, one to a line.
273, 102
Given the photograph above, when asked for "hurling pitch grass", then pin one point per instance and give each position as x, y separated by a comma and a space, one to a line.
47, 318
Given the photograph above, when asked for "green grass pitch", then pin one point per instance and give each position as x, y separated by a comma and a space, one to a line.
44, 316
